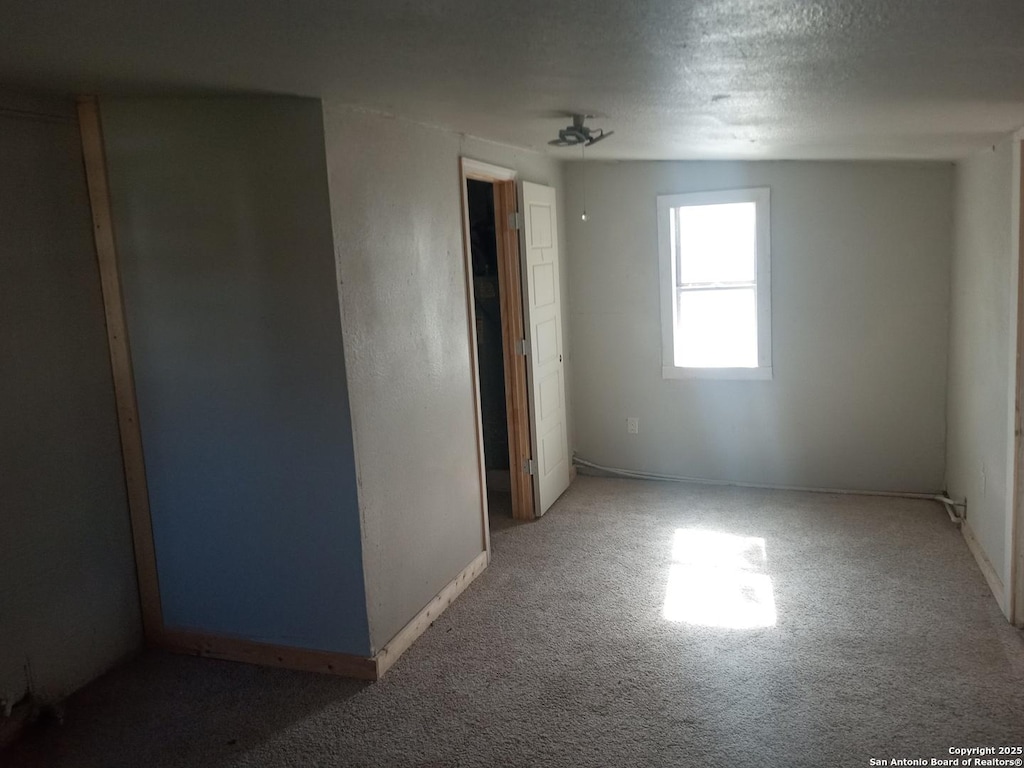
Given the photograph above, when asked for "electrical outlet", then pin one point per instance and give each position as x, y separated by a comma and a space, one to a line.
633, 425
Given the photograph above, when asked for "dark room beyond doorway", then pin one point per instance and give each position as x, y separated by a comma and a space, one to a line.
483, 244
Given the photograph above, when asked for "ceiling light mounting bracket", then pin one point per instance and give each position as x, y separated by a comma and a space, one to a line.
579, 134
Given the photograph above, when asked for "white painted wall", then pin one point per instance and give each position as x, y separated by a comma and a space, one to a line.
982, 348
69, 606
398, 239
860, 287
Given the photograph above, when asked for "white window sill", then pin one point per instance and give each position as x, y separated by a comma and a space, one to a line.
763, 373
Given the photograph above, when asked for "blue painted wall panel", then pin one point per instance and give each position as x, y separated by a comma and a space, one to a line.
224, 230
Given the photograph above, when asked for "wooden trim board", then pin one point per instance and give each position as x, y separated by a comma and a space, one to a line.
236, 649
327, 662
121, 365
994, 582
517, 406
406, 636
503, 183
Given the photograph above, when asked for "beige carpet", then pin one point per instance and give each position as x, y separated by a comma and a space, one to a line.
595, 639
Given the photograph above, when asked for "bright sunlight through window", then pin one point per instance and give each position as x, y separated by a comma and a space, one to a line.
716, 313
718, 580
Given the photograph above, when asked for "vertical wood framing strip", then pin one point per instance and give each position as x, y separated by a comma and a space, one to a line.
121, 365
516, 398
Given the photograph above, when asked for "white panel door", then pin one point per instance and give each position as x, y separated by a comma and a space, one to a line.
544, 367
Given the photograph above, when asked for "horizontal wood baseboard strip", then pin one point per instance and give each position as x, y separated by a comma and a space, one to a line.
406, 636
343, 664
248, 651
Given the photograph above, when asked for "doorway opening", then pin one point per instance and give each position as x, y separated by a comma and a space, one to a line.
492, 245
483, 237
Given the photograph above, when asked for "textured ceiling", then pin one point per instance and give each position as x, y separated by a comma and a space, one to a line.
704, 79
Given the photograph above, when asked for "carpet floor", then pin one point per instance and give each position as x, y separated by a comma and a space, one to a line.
636, 624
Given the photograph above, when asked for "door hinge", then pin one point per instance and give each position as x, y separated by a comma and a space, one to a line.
530, 467
515, 220
523, 347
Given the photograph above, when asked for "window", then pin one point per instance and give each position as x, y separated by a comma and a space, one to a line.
715, 284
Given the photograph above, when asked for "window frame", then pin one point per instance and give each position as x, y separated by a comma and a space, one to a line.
761, 197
